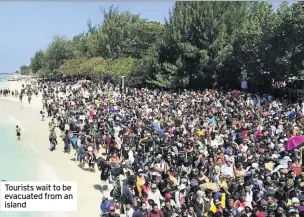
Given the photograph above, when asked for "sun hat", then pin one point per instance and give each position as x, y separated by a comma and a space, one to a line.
182, 187
295, 200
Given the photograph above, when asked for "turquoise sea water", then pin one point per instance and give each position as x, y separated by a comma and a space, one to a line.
17, 162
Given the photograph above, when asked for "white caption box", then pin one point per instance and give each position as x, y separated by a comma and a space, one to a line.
38, 196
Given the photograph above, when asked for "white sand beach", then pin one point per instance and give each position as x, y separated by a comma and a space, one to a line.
52, 165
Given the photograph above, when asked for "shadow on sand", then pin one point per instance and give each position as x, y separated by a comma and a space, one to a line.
100, 188
81, 166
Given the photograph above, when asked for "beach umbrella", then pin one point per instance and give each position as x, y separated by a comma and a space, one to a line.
294, 142
209, 186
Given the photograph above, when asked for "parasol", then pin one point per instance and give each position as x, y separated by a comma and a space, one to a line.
209, 186
294, 142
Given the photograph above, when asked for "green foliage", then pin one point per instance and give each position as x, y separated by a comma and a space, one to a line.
58, 51
25, 70
201, 44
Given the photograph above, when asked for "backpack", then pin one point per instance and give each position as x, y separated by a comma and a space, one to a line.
117, 171
74, 141
117, 190
101, 163
104, 206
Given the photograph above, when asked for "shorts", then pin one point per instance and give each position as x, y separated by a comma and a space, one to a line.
82, 156
18, 134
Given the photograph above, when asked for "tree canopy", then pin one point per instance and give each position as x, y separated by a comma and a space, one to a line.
200, 45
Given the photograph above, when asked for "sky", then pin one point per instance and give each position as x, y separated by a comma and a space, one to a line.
26, 27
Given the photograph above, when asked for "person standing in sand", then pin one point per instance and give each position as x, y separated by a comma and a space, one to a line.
18, 132
20, 97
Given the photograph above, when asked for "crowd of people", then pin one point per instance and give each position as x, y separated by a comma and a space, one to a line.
25, 90
191, 154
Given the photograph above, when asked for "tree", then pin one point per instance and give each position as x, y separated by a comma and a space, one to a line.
58, 51
197, 41
25, 70
201, 45
38, 61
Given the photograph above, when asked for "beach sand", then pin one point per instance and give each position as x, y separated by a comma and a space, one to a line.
52, 166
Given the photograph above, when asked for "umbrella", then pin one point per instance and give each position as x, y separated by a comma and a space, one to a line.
237, 91
210, 186
173, 179
294, 142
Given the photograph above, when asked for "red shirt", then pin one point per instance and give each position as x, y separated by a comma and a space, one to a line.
296, 169
157, 214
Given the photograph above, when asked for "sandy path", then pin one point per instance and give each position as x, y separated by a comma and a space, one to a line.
54, 165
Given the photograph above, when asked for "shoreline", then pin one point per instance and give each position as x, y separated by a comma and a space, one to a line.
52, 165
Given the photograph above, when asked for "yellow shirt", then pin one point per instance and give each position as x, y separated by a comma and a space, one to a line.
200, 132
140, 182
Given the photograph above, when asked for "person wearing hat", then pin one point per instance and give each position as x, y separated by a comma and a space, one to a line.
111, 212
180, 195
155, 195
227, 168
295, 204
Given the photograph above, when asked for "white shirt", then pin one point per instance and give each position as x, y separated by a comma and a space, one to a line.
131, 157
116, 131
227, 171
156, 197
130, 212
214, 143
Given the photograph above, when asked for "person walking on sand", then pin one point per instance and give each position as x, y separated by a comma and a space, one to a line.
18, 132
29, 99
42, 115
